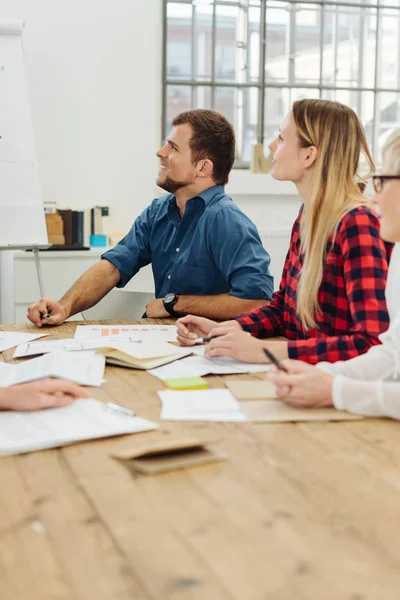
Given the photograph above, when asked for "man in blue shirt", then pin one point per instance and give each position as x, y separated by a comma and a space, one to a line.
206, 255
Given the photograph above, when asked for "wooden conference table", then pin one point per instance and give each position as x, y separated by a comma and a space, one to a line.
298, 512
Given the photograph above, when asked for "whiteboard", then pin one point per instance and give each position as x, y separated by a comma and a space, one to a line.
22, 220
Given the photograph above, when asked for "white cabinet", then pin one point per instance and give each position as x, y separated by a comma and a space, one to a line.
60, 269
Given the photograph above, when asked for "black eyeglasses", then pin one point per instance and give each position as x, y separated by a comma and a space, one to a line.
379, 180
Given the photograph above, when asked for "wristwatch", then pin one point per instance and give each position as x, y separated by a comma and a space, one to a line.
169, 302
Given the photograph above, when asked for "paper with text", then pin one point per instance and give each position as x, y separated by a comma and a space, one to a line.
83, 420
200, 405
165, 333
70, 344
82, 368
198, 366
9, 339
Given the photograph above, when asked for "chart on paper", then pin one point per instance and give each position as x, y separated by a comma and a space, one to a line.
166, 333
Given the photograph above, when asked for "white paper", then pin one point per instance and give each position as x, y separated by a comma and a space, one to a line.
70, 344
200, 405
165, 333
83, 420
198, 366
82, 368
9, 339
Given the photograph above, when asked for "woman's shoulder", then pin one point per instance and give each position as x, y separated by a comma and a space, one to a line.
360, 218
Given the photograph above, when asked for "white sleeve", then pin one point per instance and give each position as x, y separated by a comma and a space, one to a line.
374, 399
377, 363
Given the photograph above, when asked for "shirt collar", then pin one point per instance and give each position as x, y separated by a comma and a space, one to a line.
207, 196
210, 193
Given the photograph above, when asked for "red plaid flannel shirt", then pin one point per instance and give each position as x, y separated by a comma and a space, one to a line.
351, 296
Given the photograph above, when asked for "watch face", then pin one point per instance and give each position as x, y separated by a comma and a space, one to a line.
169, 297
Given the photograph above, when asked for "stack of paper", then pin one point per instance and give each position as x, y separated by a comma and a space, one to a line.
84, 369
83, 420
200, 405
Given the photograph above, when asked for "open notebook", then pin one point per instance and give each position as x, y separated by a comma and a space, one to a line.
22, 432
144, 355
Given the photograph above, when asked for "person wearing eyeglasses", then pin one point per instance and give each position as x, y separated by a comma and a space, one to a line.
331, 302
368, 384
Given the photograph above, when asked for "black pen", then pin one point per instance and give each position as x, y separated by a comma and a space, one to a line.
204, 340
274, 360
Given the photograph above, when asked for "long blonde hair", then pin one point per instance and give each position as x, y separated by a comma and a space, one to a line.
336, 188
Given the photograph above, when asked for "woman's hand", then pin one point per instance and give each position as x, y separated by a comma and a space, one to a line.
191, 327
46, 393
304, 386
240, 345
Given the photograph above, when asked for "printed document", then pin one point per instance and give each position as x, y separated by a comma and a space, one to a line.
71, 344
82, 368
9, 339
200, 405
137, 333
198, 366
83, 420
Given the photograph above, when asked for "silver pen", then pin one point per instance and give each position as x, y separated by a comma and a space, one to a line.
120, 409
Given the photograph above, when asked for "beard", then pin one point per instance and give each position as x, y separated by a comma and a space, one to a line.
171, 185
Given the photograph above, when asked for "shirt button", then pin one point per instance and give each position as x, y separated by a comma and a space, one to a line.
169, 277
177, 249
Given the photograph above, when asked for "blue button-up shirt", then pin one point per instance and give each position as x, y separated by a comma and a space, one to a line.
213, 249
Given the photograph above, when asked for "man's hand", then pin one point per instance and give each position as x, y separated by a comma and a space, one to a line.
191, 327
155, 309
47, 393
47, 306
304, 386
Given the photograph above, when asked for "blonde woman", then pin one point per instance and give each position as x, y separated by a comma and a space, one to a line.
368, 384
331, 302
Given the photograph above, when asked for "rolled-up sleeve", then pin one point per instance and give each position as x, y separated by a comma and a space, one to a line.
133, 251
238, 252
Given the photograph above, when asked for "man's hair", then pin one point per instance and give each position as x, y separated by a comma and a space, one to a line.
213, 137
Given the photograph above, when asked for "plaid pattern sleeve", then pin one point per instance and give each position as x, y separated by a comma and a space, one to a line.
268, 321
352, 293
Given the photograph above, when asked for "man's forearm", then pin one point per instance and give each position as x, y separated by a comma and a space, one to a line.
219, 307
94, 284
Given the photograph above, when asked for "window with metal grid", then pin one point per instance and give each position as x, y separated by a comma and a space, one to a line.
250, 59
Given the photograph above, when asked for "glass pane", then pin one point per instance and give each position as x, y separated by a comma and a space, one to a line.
179, 98
202, 97
389, 2
388, 117
231, 43
240, 107
276, 108
347, 47
307, 52
366, 114
203, 40
253, 46
277, 42
389, 65
179, 41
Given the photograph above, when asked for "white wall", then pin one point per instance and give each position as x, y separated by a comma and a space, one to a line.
94, 76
